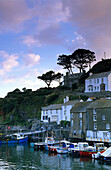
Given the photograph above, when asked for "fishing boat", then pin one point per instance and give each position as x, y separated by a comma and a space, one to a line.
14, 138
89, 151
80, 146
49, 141
59, 144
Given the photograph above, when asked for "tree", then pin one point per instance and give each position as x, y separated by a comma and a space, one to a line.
66, 62
82, 58
58, 77
49, 76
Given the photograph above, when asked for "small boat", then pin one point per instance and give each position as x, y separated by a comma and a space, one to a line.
90, 150
49, 141
14, 138
62, 150
106, 155
79, 147
72, 146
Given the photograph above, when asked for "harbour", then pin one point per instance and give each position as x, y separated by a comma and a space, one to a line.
22, 157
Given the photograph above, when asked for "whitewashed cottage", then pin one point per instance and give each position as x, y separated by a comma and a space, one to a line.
98, 82
58, 112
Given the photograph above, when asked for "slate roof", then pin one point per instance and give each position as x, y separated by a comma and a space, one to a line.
99, 75
70, 102
52, 107
80, 106
100, 104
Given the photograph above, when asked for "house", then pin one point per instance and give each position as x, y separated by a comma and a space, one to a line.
78, 120
98, 127
70, 80
58, 112
98, 82
66, 107
51, 113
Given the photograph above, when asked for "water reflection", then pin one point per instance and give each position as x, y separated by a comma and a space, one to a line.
22, 157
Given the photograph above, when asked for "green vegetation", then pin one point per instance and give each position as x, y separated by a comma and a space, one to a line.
17, 107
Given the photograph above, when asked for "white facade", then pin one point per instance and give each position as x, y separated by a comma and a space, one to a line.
99, 136
58, 112
51, 113
98, 82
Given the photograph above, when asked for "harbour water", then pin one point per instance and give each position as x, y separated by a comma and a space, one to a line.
23, 157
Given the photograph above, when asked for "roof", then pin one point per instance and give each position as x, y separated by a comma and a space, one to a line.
70, 102
52, 107
99, 75
100, 104
80, 106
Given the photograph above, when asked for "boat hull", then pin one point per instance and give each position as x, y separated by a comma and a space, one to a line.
88, 153
23, 140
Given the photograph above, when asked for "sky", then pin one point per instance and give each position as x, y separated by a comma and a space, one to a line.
33, 33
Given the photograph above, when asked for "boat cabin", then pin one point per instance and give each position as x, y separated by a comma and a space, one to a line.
18, 136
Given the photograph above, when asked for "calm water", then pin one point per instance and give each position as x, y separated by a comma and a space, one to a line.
22, 157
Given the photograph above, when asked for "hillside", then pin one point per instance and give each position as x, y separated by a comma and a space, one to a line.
17, 107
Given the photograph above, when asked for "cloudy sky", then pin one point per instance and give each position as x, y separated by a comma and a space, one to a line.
34, 32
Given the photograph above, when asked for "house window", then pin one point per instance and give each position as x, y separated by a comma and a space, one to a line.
64, 112
80, 124
94, 134
103, 117
71, 115
95, 88
97, 80
104, 134
94, 117
65, 117
90, 81
102, 87
43, 112
71, 122
94, 111
107, 126
56, 111
46, 112
95, 126
45, 117
80, 115
90, 87
102, 80
50, 111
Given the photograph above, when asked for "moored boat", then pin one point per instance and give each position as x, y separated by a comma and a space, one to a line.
62, 150
106, 155
49, 141
89, 151
79, 147
14, 138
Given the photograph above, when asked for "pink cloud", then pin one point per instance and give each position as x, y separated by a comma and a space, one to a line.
31, 59
13, 14
8, 61
92, 19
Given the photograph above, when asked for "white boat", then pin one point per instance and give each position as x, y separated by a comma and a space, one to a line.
62, 150
106, 155
72, 146
49, 141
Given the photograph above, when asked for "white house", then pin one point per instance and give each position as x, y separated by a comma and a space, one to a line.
98, 82
58, 112
66, 107
51, 113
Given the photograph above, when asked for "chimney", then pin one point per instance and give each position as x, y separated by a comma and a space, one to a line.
66, 99
90, 74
